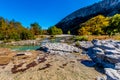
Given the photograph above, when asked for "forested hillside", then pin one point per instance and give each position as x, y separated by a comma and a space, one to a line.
100, 25
104, 7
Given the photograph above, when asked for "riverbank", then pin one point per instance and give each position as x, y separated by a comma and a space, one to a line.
53, 60
61, 38
45, 66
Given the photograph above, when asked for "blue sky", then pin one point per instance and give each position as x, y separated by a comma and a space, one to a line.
45, 12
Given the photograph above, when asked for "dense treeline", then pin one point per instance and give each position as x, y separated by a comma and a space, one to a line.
54, 30
12, 30
101, 25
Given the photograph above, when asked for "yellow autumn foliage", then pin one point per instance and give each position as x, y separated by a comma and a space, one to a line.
94, 26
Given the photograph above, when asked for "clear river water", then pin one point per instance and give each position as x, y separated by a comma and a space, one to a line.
30, 47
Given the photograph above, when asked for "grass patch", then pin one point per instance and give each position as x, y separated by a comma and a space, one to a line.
103, 37
91, 37
81, 38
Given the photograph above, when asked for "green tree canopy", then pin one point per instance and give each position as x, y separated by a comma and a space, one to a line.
114, 26
69, 32
13, 30
55, 31
35, 28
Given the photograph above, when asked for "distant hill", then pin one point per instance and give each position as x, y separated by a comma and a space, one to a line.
104, 7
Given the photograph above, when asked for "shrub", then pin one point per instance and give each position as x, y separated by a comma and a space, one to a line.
94, 26
114, 26
54, 30
36, 29
25, 34
81, 38
69, 32
77, 44
14, 36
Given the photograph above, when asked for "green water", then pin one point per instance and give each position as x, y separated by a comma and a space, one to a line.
21, 48
30, 47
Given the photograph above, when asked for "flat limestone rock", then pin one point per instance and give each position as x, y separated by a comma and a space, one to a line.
85, 44
59, 48
112, 74
107, 54
117, 66
111, 52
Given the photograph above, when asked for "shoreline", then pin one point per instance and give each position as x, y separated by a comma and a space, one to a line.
55, 58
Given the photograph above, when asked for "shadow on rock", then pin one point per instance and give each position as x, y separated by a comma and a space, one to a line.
88, 63
44, 49
97, 67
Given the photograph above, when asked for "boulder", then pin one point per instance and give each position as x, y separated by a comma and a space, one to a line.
102, 78
59, 48
112, 74
97, 50
118, 45
113, 58
85, 44
106, 53
107, 46
96, 43
117, 66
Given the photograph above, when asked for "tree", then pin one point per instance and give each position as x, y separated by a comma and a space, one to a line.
36, 28
54, 30
26, 34
45, 32
114, 26
84, 31
14, 36
69, 32
2, 22
12, 30
94, 26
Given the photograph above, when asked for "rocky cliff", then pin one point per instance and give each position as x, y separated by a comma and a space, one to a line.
104, 7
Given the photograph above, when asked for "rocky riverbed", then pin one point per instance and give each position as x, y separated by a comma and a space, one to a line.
105, 54
52, 61
59, 48
65, 64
